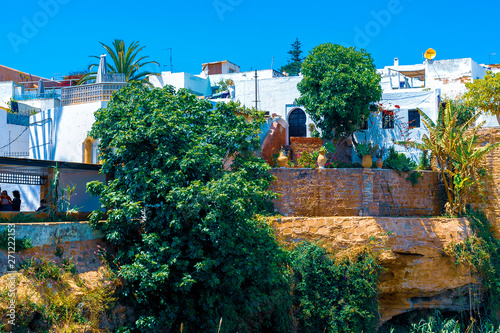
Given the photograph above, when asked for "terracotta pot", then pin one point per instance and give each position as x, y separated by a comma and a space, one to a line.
322, 159
379, 163
282, 160
366, 162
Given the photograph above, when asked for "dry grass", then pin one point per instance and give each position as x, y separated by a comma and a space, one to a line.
72, 303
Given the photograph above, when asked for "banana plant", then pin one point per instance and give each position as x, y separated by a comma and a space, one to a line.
458, 157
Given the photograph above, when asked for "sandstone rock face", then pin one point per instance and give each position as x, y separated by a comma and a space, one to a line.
418, 275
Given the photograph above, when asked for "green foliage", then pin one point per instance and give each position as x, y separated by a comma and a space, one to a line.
64, 303
21, 243
424, 162
481, 251
37, 217
223, 85
399, 162
330, 147
305, 159
334, 295
484, 94
41, 268
58, 199
463, 109
458, 157
295, 61
438, 322
126, 60
363, 149
190, 248
413, 177
338, 86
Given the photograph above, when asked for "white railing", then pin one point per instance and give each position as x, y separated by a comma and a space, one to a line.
88, 93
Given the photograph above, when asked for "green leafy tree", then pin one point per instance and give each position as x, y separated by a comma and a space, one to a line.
484, 94
125, 60
295, 61
339, 85
190, 246
458, 157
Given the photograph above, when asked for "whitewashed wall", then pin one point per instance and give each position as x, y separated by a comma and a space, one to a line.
58, 134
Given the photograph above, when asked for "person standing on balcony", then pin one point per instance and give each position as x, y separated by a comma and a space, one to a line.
16, 202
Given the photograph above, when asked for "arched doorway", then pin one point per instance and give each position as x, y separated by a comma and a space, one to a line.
297, 123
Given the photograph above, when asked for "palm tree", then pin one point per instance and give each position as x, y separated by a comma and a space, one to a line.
125, 60
458, 157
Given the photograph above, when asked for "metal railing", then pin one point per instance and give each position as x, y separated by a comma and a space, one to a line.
16, 154
27, 95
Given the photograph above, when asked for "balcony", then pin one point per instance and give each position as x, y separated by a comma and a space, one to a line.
94, 92
33, 94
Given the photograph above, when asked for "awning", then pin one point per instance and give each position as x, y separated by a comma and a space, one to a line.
35, 172
420, 74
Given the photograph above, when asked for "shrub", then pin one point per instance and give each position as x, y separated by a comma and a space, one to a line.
305, 159
334, 295
21, 243
399, 162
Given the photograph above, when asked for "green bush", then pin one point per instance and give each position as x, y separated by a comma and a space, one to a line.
334, 295
21, 243
436, 321
399, 162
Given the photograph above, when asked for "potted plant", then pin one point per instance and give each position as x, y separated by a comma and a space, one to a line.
365, 151
380, 151
322, 158
282, 160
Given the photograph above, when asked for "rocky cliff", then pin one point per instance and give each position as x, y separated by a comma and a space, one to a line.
418, 273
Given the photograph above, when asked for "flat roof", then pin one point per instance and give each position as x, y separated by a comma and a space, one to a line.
35, 164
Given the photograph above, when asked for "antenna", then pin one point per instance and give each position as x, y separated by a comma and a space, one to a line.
489, 58
171, 65
430, 54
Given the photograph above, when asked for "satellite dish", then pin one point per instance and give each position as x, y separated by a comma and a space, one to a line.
430, 54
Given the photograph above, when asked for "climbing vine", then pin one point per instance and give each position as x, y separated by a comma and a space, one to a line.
481, 252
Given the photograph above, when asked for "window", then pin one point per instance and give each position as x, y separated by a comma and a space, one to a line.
413, 118
297, 123
387, 119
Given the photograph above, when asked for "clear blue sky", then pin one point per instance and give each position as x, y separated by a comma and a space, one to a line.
246, 32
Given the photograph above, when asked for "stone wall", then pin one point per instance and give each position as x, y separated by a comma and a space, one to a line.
491, 204
355, 192
74, 239
299, 144
417, 276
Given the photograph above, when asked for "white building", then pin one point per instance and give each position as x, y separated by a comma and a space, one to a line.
422, 86
267, 90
